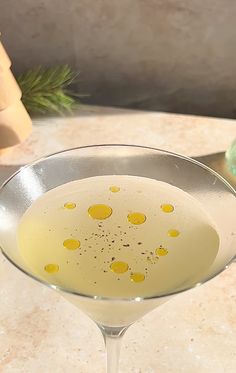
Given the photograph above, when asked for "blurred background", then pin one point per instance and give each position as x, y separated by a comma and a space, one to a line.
164, 55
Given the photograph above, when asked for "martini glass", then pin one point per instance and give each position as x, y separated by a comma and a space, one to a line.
114, 315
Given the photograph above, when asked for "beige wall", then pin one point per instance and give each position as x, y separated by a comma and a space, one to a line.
175, 55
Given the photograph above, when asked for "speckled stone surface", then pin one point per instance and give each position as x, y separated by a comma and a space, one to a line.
194, 332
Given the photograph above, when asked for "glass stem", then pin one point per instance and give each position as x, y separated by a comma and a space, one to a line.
112, 337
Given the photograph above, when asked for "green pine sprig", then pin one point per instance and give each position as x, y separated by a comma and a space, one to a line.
46, 90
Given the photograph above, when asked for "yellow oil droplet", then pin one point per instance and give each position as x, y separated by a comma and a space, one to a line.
71, 244
136, 218
137, 277
161, 251
167, 207
119, 267
51, 268
114, 189
70, 205
173, 233
100, 212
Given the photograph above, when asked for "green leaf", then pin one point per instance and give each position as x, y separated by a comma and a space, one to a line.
46, 90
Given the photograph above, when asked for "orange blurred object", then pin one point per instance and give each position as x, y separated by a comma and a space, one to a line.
15, 122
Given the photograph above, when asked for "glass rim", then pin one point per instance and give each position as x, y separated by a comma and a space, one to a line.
118, 299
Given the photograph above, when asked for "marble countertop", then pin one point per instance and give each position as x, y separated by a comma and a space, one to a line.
195, 332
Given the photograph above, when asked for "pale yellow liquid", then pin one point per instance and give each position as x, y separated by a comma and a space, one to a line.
148, 237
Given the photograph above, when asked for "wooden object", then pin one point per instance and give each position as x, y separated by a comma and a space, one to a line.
15, 122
